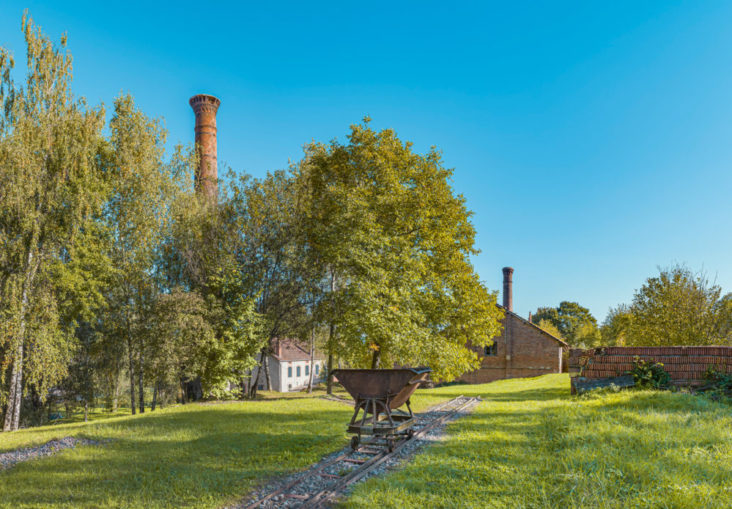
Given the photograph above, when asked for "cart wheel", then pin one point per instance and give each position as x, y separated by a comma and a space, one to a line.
390, 445
410, 433
354, 442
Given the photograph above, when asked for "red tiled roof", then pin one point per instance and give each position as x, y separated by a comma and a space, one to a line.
287, 349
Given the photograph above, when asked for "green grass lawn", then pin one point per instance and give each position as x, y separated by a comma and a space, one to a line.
198, 455
530, 444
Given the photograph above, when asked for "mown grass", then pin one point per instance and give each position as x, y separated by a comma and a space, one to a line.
531, 444
192, 455
197, 455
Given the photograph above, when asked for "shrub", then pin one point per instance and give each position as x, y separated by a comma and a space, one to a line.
718, 381
648, 373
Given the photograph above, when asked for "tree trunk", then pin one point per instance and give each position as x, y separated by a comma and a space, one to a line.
86, 411
115, 397
132, 374
376, 359
155, 397
329, 383
267, 377
140, 383
312, 359
255, 377
15, 396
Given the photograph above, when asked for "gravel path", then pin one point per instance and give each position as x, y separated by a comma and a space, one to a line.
11, 458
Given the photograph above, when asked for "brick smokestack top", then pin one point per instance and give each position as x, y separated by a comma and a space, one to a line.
508, 288
205, 108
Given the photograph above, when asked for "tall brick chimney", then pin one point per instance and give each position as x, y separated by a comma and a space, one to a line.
508, 288
205, 108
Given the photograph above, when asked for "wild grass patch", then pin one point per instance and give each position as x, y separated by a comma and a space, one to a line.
530, 444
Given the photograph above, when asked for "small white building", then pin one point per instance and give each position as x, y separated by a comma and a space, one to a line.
289, 367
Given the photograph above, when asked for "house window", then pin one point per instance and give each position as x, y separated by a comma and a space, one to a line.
491, 350
317, 369
289, 372
298, 370
307, 370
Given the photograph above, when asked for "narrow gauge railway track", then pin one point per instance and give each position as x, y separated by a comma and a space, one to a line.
330, 478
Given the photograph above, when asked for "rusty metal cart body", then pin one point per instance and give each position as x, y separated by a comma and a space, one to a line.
378, 396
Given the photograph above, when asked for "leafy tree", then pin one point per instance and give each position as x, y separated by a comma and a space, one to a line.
616, 326
393, 242
549, 327
270, 260
50, 185
678, 307
138, 217
575, 322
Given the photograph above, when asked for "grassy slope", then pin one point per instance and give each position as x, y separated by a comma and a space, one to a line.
532, 445
528, 445
193, 455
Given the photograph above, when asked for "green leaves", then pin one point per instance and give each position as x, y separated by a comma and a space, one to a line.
677, 307
575, 323
393, 241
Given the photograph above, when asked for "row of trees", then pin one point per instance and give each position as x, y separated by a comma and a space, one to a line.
677, 307
115, 274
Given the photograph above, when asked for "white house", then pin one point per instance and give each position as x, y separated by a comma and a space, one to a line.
289, 367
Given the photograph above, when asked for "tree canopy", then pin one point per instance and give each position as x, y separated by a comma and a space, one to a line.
574, 322
677, 307
116, 277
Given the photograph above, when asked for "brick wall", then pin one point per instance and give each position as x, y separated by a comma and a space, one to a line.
522, 350
685, 365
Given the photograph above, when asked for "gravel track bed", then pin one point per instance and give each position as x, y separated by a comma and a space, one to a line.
308, 482
12, 458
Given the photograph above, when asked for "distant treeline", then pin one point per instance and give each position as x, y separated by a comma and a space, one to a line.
677, 307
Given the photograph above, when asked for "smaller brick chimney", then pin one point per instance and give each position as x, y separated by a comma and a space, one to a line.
508, 288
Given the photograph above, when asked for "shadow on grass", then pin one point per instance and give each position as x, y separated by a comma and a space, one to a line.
201, 457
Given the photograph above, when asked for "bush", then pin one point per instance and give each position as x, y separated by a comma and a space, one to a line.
718, 381
648, 373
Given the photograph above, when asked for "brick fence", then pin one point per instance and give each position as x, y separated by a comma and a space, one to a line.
685, 365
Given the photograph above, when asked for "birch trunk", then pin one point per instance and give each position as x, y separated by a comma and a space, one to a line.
15, 398
267, 377
140, 384
312, 359
132, 374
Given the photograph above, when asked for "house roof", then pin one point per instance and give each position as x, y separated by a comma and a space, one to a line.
564, 344
290, 350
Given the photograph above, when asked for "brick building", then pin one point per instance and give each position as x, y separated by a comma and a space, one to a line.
522, 349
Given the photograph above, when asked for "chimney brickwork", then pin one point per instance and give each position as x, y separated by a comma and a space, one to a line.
205, 108
508, 288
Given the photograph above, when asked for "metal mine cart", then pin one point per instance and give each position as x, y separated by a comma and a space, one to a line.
378, 394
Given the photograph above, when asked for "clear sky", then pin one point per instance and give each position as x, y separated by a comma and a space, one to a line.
593, 140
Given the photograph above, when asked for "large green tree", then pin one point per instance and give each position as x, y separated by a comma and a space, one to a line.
50, 185
393, 242
677, 307
574, 322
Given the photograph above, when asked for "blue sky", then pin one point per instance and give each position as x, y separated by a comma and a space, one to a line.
593, 140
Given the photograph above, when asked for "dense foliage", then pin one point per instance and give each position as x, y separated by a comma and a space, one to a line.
574, 323
677, 307
117, 278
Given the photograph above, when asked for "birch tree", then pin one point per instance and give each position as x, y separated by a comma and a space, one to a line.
50, 184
